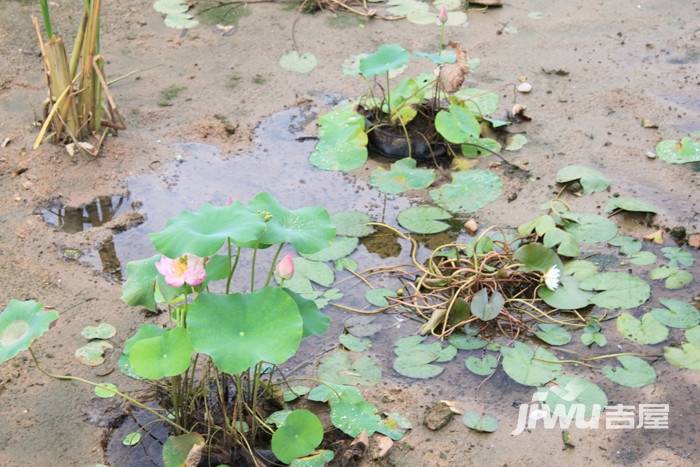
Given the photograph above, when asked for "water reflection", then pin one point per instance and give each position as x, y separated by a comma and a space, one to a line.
72, 219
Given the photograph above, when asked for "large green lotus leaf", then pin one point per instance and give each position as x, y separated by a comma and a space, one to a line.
678, 257
339, 367
177, 448
315, 322
239, 330
482, 366
677, 314
145, 331
424, 219
591, 180
675, 278
634, 373
457, 124
629, 204
478, 101
386, 58
617, 290
340, 247
167, 354
484, 423
568, 296
20, 323
679, 152
628, 245
318, 458
469, 191
573, 390
553, 334
204, 232
352, 224
530, 367
687, 356
342, 141
309, 229
140, 286
646, 330
402, 176
589, 228
351, 413
537, 257
300, 434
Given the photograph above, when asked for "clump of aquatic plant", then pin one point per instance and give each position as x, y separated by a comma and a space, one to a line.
216, 367
80, 110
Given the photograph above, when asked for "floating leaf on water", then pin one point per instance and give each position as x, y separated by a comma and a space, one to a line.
553, 334
180, 21
339, 247
362, 326
568, 296
21, 322
482, 366
101, 331
693, 335
307, 271
345, 264
530, 367
386, 58
571, 391
675, 278
319, 458
589, 228
295, 392
465, 342
580, 269
617, 290
484, 423
677, 314
298, 63
352, 224
592, 334
486, 308
516, 142
93, 353
377, 297
106, 390
417, 365
478, 101
566, 243
634, 373
629, 204
339, 367
537, 257
395, 426
352, 414
687, 356
169, 7
678, 257
643, 258
628, 245
299, 436
176, 449
131, 439
424, 219
402, 176
457, 124
591, 180
239, 330
646, 330
541, 225
679, 152
355, 344
342, 141
468, 192
203, 232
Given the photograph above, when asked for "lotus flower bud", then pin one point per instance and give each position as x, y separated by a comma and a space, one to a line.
285, 268
442, 16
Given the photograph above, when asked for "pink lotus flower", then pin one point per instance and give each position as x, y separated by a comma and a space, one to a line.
187, 269
285, 268
442, 16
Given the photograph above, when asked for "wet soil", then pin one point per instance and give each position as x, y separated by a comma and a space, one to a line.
625, 62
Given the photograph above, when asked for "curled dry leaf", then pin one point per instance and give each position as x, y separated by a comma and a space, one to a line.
656, 237
452, 75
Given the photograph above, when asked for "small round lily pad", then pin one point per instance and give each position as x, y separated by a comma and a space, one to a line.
93, 353
101, 331
21, 323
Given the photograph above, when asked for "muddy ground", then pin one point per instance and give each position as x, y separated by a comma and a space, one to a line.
624, 61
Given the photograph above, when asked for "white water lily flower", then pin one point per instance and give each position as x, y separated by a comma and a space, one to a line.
551, 278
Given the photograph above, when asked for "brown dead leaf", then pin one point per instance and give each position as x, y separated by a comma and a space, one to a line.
452, 75
656, 237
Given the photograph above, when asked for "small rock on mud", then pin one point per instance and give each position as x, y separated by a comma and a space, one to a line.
438, 416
